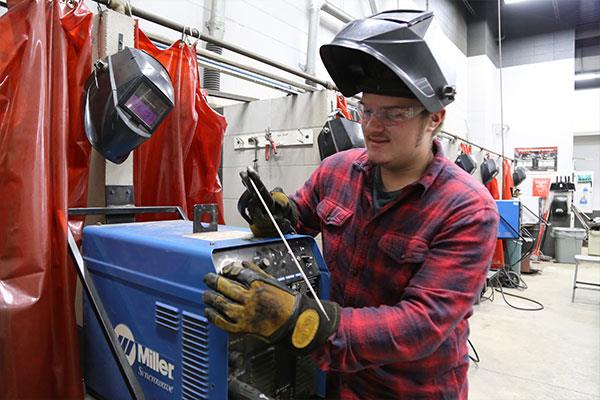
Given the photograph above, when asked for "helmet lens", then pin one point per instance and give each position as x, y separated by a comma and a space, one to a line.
146, 105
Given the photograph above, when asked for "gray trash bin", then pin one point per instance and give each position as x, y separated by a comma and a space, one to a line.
568, 243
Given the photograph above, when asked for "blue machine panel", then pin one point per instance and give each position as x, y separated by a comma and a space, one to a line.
149, 277
510, 219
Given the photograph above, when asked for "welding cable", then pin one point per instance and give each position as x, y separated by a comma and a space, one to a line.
476, 358
501, 290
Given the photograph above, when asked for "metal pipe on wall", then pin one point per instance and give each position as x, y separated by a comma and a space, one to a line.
456, 137
373, 4
314, 22
216, 29
196, 33
337, 12
224, 60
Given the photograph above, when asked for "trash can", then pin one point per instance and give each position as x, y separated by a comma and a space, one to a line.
568, 243
512, 255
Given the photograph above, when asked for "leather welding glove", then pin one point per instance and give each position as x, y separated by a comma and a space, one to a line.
251, 208
245, 299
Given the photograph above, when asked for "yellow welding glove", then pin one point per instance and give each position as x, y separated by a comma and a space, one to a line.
253, 210
245, 299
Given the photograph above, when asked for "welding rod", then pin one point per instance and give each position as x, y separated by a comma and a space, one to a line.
289, 250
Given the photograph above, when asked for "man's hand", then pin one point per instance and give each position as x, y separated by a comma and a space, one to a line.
253, 211
245, 299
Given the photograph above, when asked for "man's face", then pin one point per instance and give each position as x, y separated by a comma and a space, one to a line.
396, 144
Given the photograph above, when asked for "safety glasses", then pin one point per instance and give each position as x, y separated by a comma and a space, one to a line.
389, 116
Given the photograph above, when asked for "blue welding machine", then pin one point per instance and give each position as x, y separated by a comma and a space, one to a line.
509, 226
149, 278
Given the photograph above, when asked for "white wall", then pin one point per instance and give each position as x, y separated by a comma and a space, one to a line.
586, 112
538, 107
586, 153
483, 108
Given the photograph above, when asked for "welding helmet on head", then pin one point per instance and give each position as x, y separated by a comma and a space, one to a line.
127, 96
389, 54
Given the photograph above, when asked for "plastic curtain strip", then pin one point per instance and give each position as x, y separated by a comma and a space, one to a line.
45, 57
179, 165
507, 178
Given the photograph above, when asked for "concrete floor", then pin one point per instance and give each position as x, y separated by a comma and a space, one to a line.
551, 354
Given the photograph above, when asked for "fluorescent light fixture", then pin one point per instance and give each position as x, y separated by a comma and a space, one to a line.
587, 77
507, 2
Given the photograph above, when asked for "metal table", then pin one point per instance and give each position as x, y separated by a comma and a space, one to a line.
587, 285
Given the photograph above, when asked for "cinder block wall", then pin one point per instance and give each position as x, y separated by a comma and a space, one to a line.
290, 168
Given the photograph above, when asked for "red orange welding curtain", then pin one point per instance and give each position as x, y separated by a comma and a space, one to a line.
342, 105
507, 179
498, 259
466, 148
179, 164
45, 58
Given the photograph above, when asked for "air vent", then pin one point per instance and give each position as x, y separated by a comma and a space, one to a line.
195, 383
166, 316
305, 376
261, 372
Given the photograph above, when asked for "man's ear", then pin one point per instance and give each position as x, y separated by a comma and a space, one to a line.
435, 120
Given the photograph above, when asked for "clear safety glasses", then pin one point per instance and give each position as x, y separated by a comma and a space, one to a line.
389, 116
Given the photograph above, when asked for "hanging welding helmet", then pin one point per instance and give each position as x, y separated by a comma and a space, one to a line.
466, 162
339, 134
519, 176
489, 170
390, 53
127, 96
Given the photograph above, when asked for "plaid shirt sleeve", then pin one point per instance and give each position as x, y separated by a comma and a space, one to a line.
438, 296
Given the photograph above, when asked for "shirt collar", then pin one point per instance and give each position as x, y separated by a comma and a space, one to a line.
363, 164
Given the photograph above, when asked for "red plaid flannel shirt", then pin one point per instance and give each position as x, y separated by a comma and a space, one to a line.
406, 276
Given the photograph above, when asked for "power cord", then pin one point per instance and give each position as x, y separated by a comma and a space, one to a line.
476, 358
512, 280
509, 279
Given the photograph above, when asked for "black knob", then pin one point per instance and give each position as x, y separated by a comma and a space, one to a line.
264, 263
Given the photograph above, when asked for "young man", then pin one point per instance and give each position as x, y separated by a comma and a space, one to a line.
407, 235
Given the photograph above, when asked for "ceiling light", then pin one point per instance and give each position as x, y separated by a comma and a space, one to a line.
587, 77
507, 2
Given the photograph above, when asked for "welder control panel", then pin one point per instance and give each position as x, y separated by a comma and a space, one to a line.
275, 260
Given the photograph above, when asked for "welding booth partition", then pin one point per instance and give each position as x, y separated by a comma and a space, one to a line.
45, 59
180, 164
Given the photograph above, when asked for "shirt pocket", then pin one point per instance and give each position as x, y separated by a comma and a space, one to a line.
400, 257
333, 214
334, 221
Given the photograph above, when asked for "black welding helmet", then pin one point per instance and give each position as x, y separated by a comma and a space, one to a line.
519, 176
126, 98
489, 170
390, 53
466, 162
